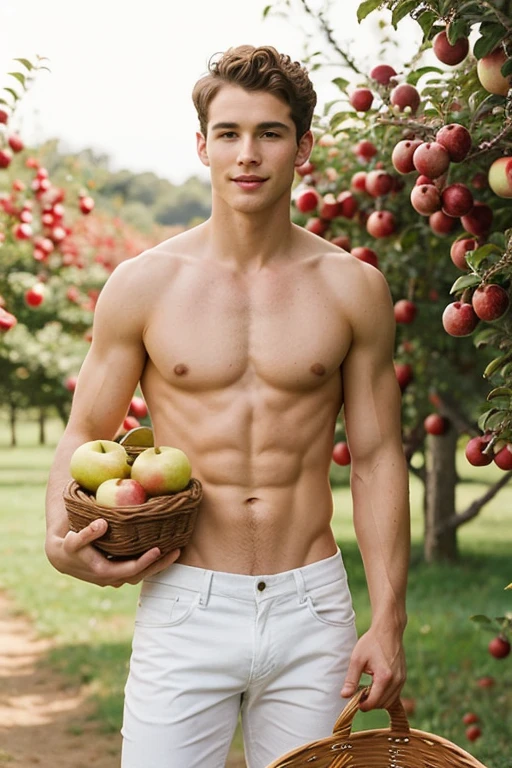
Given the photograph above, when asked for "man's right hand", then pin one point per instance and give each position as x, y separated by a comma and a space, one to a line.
75, 555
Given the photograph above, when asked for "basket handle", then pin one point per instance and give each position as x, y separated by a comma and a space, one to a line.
343, 725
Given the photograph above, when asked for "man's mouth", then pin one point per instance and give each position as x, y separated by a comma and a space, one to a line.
249, 182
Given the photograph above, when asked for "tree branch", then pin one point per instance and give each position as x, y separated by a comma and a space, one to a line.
474, 508
328, 32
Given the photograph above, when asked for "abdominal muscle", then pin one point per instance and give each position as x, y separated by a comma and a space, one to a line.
263, 457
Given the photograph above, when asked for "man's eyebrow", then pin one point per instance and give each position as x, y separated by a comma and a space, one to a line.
265, 126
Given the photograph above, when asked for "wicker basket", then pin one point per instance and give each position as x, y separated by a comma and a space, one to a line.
166, 522
396, 747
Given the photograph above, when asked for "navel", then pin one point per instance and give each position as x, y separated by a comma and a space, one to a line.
318, 369
181, 369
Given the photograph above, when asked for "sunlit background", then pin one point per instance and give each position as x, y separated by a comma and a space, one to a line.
122, 73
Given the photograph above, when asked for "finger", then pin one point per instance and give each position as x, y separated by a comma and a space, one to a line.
353, 676
379, 693
156, 567
73, 541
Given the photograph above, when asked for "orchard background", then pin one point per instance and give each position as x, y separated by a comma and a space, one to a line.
411, 172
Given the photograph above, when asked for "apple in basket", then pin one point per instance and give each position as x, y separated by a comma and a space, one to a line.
162, 470
98, 460
120, 492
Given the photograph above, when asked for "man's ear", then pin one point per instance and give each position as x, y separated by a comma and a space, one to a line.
304, 149
201, 149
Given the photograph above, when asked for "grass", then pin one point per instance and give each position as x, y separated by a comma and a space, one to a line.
446, 652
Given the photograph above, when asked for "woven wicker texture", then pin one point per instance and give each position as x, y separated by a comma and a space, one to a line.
162, 521
396, 747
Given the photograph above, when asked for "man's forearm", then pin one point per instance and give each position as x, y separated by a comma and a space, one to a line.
56, 515
382, 525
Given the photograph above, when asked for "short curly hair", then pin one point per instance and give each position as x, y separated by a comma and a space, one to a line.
258, 69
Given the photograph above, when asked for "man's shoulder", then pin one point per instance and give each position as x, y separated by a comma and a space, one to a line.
166, 255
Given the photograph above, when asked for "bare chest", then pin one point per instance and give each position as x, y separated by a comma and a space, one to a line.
211, 330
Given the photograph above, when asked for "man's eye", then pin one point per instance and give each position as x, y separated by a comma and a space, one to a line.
228, 135
271, 134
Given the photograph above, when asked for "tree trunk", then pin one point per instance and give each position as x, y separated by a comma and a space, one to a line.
440, 541
42, 426
12, 421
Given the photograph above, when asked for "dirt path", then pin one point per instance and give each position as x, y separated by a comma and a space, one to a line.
44, 721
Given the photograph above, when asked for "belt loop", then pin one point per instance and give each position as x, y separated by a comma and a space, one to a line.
300, 584
205, 589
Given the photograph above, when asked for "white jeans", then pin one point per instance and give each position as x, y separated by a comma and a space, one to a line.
209, 646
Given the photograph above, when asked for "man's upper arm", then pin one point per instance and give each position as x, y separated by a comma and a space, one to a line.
115, 361
371, 393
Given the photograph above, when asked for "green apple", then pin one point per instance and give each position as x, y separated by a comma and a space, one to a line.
500, 177
162, 470
98, 460
120, 492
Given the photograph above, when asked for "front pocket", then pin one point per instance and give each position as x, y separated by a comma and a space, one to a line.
331, 604
164, 611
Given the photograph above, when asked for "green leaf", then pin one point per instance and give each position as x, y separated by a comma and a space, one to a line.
266, 11
479, 618
3, 101
487, 336
366, 8
496, 364
26, 63
426, 22
402, 10
15, 95
506, 69
413, 77
19, 77
475, 258
341, 83
330, 104
499, 392
457, 29
465, 281
491, 37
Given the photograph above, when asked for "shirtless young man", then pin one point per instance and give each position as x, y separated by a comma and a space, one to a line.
247, 334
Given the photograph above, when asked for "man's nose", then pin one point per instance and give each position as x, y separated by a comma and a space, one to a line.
248, 152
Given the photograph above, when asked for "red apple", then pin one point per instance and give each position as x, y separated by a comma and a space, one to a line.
70, 383
405, 95
4, 116
490, 301
500, 177
7, 320
499, 647
441, 224
459, 249
138, 407
448, 53
305, 169
329, 207
378, 183
122, 492
317, 226
342, 241
431, 159
34, 296
503, 459
365, 254
473, 732
486, 682
401, 157
456, 139
489, 72
474, 451
457, 200
479, 180
358, 181
422, 179
459, 319
404, 374
382, 73
307, 200
381, 224
5, 158
425, 199
405, 311
348, 204
341, 454
130, 422
16, 143
469, 718
435, 424
86, 204
361, 99
479, 219
22, 231
365, 149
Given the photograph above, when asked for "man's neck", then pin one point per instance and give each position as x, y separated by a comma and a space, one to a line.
249, 241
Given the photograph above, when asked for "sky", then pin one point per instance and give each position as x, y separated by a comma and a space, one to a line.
122, 71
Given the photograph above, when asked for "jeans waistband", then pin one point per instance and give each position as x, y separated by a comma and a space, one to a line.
247, 587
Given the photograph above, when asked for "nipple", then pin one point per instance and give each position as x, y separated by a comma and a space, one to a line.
180, 369
318, 369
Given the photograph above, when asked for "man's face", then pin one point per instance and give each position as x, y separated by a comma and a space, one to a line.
251, 148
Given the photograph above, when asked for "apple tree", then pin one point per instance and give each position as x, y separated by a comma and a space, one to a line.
401, 177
